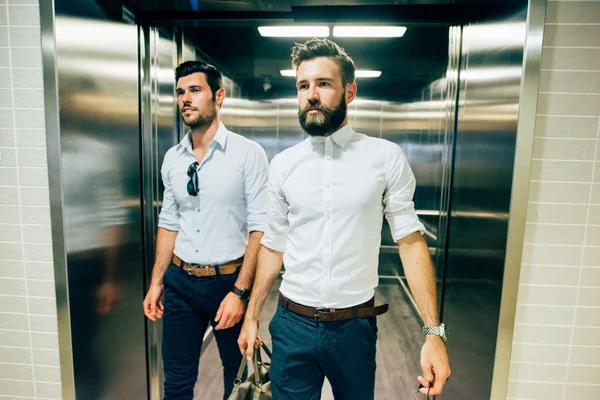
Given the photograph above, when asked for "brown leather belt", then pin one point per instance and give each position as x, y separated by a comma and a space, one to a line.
208, 270
364, 310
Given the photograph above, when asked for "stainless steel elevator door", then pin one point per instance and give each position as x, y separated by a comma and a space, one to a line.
97, 79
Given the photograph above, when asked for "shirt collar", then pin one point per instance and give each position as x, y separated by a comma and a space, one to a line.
220, 139
340, 137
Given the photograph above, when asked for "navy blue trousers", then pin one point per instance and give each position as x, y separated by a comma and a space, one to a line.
306, 351
191, 303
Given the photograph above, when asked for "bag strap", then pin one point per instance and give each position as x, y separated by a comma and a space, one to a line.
266, 349
256, 359
427, 396
241, 369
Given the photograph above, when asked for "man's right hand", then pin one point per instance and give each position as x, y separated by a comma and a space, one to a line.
249, 338
153, 307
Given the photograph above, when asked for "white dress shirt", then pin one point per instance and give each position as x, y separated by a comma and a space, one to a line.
214, 225
327, 200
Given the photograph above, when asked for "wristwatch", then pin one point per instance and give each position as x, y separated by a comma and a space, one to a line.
440, 330
243, 294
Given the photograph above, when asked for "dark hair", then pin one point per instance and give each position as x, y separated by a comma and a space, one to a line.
213, 76
325, 48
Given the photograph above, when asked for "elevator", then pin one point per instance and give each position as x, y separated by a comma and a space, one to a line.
448, 93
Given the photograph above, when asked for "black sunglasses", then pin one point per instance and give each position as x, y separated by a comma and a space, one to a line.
192, 186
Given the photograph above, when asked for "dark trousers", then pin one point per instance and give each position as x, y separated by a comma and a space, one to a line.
191, 303
306, 351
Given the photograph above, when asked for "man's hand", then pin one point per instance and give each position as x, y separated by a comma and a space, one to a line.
434, 363
153, 307
249, 334
107, 297
230, 311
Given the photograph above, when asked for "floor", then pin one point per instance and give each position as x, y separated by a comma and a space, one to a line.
398, 348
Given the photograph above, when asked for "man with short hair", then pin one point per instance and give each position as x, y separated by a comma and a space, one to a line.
327, 199
211, 222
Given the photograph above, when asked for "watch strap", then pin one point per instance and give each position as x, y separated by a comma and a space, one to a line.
440, 331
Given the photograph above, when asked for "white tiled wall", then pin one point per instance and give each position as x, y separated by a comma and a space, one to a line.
29, 364
556, 351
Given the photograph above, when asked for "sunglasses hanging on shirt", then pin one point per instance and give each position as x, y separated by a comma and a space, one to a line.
192, 173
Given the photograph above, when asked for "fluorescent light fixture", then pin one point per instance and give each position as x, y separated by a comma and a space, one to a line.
364, 73
294, 31
369, 31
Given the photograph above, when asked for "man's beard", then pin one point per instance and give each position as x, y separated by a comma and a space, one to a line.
325, 122
202, 120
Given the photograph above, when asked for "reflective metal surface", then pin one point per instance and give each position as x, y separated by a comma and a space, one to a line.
536, 16
94, 150
53, 144
488, 104
159, 133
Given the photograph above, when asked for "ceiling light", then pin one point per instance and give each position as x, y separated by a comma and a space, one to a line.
359, 73
367, 73
369, 31
294, 31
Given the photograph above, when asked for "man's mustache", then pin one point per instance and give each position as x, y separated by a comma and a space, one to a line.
314, 106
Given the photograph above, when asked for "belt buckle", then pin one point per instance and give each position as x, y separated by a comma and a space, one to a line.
193, 266
323, 309
189, 271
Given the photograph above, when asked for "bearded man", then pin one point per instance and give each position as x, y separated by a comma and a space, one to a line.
327, 199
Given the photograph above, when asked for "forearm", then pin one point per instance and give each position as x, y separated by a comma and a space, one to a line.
419, 272
248, 270
165, 244
269, 265
111, 236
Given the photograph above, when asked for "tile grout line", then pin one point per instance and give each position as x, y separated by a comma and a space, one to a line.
585, 234
10, 63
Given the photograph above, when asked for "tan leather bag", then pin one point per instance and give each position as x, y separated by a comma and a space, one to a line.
258, 385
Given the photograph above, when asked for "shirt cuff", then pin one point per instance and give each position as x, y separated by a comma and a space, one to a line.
404, 223
258, 224
274, 242
168, 225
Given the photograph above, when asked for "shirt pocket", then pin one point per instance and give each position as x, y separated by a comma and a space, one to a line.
179, 181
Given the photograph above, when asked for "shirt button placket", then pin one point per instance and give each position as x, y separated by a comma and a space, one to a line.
197, 239
328, 223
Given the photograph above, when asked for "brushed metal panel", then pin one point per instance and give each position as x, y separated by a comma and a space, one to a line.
536, 15
95, 186
160, 53
487, 116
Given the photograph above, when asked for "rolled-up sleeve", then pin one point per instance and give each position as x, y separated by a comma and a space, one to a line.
399, 208
169, 213
275, 236
256, 174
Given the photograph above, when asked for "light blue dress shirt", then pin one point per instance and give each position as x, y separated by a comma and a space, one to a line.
232, 202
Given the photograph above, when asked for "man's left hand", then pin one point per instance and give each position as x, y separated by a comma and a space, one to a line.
435, 366
230, 311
